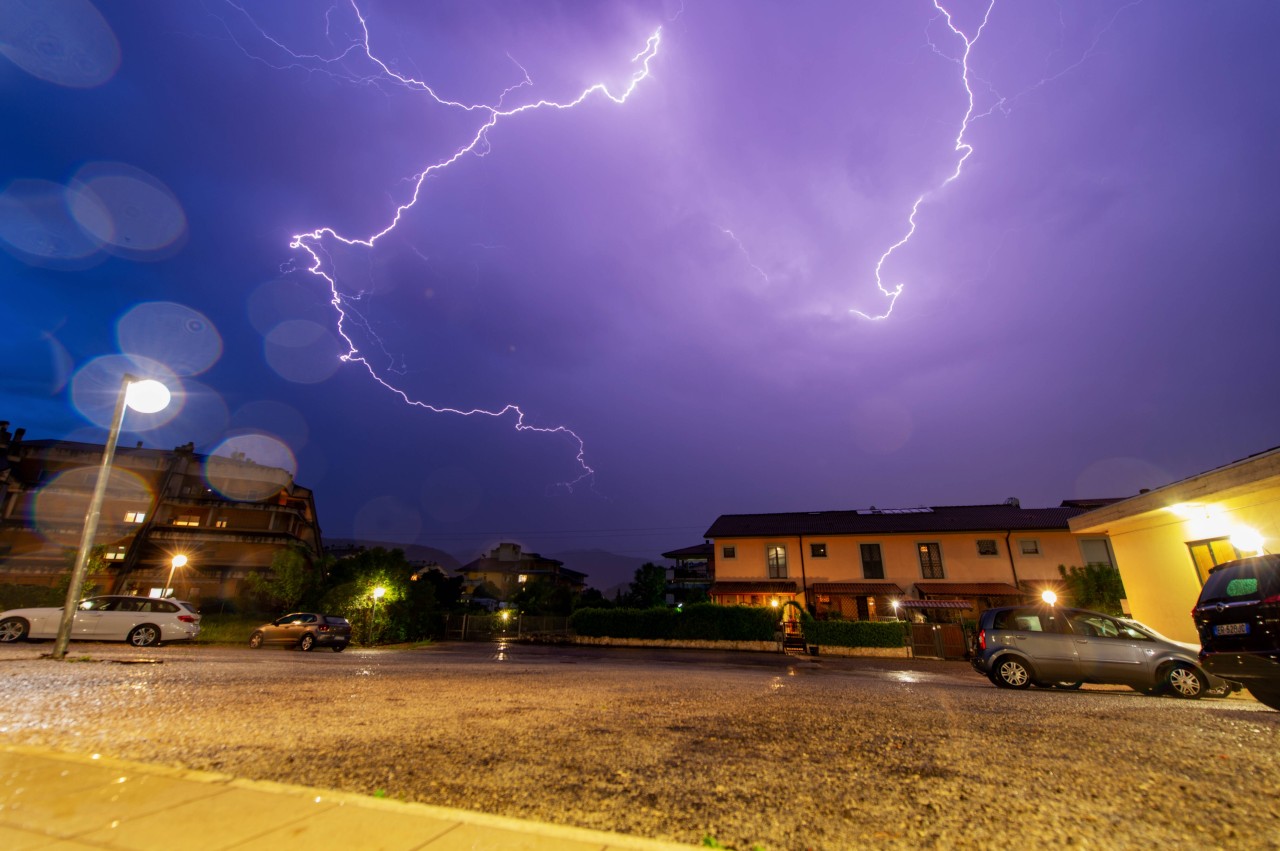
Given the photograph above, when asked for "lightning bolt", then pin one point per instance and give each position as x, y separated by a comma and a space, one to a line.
315, 243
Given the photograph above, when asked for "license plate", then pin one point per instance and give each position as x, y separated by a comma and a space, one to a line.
1231, 629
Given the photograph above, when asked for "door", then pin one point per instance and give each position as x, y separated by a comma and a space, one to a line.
1110, 652
1040, 633
87, 621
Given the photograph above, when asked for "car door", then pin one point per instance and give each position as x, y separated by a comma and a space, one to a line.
286, 630
87, 621
1040, 634
117, 619
1108, 650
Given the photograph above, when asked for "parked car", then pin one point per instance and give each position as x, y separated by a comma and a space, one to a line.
1050, 646
304, 630
141, 621
1238, 618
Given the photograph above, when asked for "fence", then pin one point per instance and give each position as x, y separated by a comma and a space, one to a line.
495, 627
938, 640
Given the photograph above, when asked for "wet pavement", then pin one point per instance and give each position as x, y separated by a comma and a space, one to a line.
743, 749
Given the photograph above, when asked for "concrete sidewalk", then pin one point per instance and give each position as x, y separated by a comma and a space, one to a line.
50, 799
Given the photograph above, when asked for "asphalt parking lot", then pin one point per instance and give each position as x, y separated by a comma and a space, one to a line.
743, 749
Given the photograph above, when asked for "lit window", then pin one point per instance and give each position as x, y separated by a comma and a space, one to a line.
187, 520
1210, 553
113, 555
776, 554
987, 547
220, 524
930, 561
522, 578
818, 550
730, 552
135, 516
1029, 547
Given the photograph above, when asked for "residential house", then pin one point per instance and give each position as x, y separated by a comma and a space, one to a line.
876, 563
507, 568
693, 573
1167, 540
228, 516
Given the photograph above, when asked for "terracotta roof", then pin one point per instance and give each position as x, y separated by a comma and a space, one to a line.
935, 604
855, 588
945, 518
970, 589
771, 586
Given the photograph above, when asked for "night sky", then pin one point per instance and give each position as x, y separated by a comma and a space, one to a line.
680, 279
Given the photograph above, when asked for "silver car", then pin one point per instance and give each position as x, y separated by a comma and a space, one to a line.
1048, 646
141, 621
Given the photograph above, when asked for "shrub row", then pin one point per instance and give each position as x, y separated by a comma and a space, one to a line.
700, 621
855, 633
30, 596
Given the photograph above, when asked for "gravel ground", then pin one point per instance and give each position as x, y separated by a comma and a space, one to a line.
748, 749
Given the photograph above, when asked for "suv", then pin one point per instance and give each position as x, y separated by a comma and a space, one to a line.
304, 630
1238, 616
1049, 646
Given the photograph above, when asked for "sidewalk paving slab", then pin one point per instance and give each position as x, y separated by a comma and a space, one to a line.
55, 800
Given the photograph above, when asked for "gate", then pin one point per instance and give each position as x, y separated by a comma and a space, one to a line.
938, 640
495, 627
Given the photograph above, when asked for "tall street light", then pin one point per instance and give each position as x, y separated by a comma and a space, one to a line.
378, 593
177, 562
145, 396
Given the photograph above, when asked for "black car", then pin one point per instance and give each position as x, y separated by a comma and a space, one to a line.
1057, 647
1238, 617
304, 630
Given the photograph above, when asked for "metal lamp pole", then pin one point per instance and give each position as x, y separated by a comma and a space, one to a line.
159, 399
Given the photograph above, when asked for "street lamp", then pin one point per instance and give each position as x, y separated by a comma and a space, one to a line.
177, 562
146, 396
378, 593
1049, 597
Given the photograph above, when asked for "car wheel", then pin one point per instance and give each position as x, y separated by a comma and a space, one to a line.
144, 636
1185, 681
255, 641
13, 629
1267, 695
1012, 672
307, 642
338, 648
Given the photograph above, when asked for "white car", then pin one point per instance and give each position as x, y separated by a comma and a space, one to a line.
141, 621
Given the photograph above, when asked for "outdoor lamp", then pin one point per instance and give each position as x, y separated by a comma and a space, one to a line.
1049, 597
176, 562
146, 396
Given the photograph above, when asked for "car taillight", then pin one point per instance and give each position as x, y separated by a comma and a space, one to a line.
1273, 600
324, 629
188, 618
982, 639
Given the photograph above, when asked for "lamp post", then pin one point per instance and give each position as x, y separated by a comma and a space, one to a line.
146, 396
378, 593
177, 562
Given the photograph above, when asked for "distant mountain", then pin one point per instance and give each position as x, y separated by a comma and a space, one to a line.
605, 571
414, 553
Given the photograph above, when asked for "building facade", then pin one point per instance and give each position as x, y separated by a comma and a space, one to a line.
884, 563
507, 569
228, 516
1167, 540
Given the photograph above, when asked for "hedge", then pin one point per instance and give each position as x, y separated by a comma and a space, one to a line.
700, 621
30, 596
855, 633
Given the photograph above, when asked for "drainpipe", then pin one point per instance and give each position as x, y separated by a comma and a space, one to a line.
804, 582
1012, 567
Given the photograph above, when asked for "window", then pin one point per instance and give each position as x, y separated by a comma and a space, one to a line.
114, 555
522, 578
729, 552
818, 550
135, 516
1210, 553
1097, 551
1029, 546
186, 520
776, 554
220, 524
987, 547
930, 561
872, 564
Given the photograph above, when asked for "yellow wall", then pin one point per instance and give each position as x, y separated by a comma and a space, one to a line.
1151, 546
960, 559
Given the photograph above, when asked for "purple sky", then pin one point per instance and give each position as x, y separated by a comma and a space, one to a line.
1087, 309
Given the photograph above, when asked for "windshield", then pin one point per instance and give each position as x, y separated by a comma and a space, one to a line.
1247, 579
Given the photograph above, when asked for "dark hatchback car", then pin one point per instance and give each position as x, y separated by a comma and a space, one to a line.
1238, 617
1048, 646
305, 631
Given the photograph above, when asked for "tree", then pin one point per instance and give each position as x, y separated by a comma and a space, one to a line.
1094, 586
94, 565
290, 579
649, 588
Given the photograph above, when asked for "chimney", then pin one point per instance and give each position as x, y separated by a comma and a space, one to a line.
1013, 502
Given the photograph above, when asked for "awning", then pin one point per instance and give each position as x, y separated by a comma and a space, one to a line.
971, 589
866, 589
935, 604
775, 586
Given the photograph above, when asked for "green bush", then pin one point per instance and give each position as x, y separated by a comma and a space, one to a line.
855, 633
701, 621
30, 596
